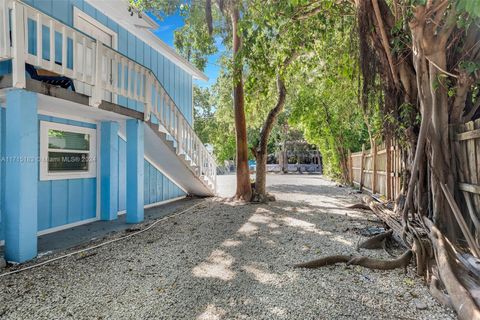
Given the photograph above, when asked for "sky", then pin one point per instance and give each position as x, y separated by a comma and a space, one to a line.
166, 31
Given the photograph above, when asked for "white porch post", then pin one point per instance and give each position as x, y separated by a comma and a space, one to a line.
97, 92
18, 39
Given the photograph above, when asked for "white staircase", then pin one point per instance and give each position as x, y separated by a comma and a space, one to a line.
172, 143
180, 169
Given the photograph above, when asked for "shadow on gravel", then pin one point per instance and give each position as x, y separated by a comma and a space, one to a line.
223, 261
254, 263
306, 189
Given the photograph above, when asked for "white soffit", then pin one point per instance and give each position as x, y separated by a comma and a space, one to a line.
117, 10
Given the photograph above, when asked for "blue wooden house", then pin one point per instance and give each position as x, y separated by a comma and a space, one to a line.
95, 121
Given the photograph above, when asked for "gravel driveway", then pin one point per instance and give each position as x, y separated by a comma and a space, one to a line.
228, 261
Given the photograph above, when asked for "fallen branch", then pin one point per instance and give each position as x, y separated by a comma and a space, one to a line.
387, 216
400, 262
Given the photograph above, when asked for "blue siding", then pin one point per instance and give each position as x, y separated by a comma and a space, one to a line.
32, 39
5, 67
45, 6
157, 187
63, 13
44, 206
66, 201
45, 42
68, 122
122, 174
58, 196
59, 201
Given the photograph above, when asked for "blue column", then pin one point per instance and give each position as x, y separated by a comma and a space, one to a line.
21, 175
109, 170
135, 153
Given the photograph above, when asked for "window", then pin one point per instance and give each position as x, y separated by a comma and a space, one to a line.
66, 152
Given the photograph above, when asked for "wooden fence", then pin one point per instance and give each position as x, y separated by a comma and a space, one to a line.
377, 170
467, 144
369, 169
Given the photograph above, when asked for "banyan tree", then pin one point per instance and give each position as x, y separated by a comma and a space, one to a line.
423, 58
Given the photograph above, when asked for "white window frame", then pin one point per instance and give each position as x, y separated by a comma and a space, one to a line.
45, 175
77, 14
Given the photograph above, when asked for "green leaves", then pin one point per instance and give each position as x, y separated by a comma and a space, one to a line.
324, 103
419, 2
322, 82
470, 67
472, 7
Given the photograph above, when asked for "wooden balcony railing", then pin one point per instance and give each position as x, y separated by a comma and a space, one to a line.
24, 31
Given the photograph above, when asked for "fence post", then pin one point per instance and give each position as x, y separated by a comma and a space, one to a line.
362, 166
374, 166
388, 169
396, 171
350, 167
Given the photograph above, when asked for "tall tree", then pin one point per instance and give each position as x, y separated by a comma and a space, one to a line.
324, 102
205, 21
244, 190
427, 56
421, 58
278, 33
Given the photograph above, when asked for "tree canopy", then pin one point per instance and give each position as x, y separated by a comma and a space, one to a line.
346, 73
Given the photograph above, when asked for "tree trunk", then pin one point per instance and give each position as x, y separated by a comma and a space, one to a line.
244, 190
261, 173
343, 159
436, 49
433, 142
284, 158
261, 151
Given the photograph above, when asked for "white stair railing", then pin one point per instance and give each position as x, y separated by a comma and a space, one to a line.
134, 81
5, 7
73, 54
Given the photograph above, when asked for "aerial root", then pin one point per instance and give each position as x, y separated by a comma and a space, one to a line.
375, 242
262, 198
461, 293
438, 294
323, 262
400, 262
360, 206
